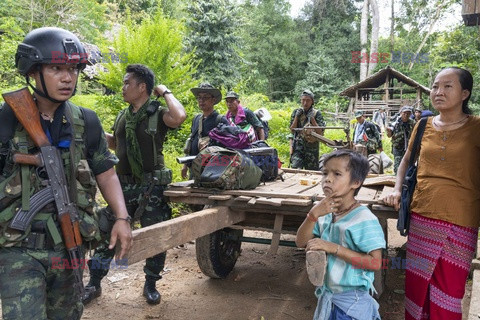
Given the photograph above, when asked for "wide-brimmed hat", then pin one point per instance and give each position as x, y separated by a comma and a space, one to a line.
358, 113
208, 88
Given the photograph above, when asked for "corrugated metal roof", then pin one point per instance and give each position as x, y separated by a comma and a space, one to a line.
377, 79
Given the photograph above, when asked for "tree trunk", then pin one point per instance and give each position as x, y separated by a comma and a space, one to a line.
435, 18
392, 27
363, 41
374, 37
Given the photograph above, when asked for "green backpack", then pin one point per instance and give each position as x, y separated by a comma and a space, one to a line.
221, 168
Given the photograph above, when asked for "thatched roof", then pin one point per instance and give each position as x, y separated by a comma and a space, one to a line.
377, 79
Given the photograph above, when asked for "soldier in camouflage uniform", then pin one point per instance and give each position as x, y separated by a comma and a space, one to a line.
138, 135
367, 134
304, 148
400, 134
35, 281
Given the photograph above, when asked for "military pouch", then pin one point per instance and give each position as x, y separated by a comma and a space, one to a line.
188, 146
10, 190
163, 175
88, 227
203, 142
106, 220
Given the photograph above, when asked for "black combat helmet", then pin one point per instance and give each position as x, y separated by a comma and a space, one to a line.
47, 46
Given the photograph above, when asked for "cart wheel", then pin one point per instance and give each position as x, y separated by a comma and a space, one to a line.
375, 163
218, 252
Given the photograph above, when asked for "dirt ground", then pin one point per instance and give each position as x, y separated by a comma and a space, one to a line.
260, 287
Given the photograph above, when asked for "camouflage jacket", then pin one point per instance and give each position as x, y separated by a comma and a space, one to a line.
401, 134
303, 121
90, 159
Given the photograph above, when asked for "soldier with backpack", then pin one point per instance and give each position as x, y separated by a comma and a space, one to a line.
367, 134
243, 118
207, 97
138, 135
32, 286
304, 148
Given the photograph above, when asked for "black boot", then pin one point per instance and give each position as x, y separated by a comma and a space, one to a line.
93, 290
150, 292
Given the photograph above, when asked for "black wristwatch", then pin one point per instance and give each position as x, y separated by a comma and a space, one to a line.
166, 92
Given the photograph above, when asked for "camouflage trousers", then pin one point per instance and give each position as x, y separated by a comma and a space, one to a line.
304, 158
397, 158
33, 287
156, 210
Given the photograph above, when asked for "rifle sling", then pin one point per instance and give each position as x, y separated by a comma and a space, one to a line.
51, 227
25, 170
73, 168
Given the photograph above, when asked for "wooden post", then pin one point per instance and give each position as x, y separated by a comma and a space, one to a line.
419, 97
162, 236
277, 231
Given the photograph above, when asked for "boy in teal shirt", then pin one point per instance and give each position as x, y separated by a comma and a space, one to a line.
350, 235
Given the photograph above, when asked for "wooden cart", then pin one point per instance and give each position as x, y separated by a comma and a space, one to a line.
278, 207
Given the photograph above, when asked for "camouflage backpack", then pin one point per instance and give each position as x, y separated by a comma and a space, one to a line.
221, 168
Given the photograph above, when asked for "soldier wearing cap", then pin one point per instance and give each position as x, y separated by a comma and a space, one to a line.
417, 113
244, 118
366, 134
400, 134
304, 148
207, 97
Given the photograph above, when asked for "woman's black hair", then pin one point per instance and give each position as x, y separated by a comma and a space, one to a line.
466, 81
357, 164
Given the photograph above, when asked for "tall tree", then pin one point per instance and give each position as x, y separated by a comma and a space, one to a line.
272, 48
367, 67
321, 75
212, 37
328, 24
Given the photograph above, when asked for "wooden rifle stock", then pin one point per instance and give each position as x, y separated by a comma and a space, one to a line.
26, 111
31, 159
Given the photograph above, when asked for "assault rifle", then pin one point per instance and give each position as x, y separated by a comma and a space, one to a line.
49, 159
331, 143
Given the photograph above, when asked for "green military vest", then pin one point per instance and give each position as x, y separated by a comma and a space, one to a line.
151, 134
20, 182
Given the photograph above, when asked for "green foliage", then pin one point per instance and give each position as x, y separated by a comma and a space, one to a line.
85, 18
272, 47
9, 42
321, 75
156, 43
212, 25
331, 28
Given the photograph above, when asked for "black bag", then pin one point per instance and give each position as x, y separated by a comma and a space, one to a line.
266, 158
409, 182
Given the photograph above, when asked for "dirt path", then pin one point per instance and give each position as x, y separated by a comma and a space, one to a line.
272, 288
259, 288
